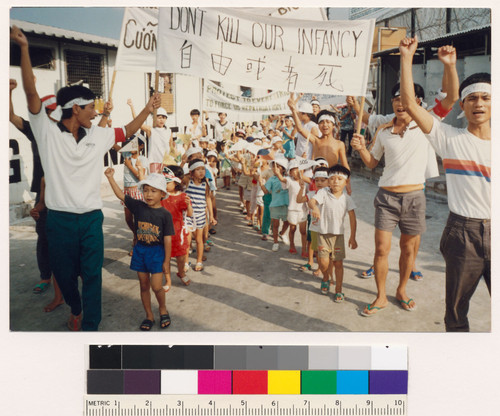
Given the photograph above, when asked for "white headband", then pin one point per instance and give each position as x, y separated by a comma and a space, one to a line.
326, 117
57, 113
321, 174
196, 165
342, 175
477, 87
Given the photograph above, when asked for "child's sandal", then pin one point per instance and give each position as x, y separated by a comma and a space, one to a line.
305, 267
186, 280
325, 287
339, 297
198, 267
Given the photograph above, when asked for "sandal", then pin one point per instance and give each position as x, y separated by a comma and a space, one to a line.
305, 267
293, 251
165, 321
75, 323
369, 308
166, 288
417, 276
339, 297
40, 288
207, 247
198, 267
368, 273
187, 267
325, 287
212, 231
264, 237
186, 280
146, 325
210, 242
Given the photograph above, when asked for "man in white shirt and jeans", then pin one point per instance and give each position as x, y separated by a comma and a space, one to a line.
466, 154
72, 153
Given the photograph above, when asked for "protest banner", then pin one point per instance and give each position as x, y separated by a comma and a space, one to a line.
216, 98
280, 54
138, 40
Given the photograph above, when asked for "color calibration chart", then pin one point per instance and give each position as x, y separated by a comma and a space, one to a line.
163, 380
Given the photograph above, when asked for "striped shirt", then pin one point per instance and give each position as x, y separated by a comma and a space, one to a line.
197, 193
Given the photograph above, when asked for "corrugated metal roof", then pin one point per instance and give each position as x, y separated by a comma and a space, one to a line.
56, 32
439, 38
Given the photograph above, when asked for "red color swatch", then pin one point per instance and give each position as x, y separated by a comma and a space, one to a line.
249, 382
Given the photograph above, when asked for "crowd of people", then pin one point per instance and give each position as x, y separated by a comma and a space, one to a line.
292, 173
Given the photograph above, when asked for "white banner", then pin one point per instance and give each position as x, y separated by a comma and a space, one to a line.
138, 40
303, 13
329, 57
217, 99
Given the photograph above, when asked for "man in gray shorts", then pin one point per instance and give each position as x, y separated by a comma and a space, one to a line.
400, 200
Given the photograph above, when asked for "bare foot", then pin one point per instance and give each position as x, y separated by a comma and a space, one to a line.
53, 305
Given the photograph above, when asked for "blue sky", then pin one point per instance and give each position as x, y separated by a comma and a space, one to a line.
102, 21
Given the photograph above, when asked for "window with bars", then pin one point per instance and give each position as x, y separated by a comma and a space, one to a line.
86, 67
41, 58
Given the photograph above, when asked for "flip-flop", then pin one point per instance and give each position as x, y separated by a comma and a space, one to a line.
407, 303
305, 267
146, 325
165, 321
166, 288
293, 251
370, 308
417, 276
40, 288
185, 280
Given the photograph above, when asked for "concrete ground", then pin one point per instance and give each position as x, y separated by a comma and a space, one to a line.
247, 287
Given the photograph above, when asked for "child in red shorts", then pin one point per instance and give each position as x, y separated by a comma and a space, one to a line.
179, 205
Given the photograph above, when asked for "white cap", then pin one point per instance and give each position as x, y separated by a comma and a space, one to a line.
204, 139
276, 139
161, 112
281, 161
293, 164
212, 153
193, 150
305, 108
155, 180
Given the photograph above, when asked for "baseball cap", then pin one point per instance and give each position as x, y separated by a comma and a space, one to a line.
293, 164
305, 108
212, 153
281, 161
193, 150
161, 112
276, 139
155, 180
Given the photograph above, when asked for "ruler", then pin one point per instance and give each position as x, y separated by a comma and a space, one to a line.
245, 405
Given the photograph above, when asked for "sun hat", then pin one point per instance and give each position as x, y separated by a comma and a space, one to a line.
161, 112
305, 108
155, 180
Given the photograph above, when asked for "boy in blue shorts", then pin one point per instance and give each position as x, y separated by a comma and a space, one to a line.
329, 207
151, 257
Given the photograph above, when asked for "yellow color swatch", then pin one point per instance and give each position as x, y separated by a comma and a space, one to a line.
283, 382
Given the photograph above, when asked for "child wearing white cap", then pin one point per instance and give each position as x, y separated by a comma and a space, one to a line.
151, 257
159, 141
297, 211
279, 202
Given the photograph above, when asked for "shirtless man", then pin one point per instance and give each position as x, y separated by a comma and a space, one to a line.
325, 146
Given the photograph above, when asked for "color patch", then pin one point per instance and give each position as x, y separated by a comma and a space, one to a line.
105, 357
230, 357
104, 382
141, 382
199, 357
179, 382
388, 382
466, 167
262, 358
389, 358
323, 358
154, 357
214, 382
293, 358
283, 382
318, 382
352, 382
250, 382
354, 358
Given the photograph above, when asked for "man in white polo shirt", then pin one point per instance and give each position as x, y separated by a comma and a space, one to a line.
72, 153
466, 154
